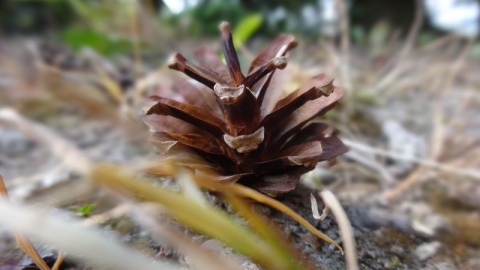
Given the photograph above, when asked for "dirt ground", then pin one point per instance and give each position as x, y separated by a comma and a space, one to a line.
434, 223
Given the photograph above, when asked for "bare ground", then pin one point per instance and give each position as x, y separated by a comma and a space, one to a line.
408, 185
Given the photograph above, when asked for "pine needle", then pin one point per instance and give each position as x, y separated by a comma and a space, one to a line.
263, 199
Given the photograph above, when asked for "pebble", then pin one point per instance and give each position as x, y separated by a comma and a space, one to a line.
13, 143
249, 266
445, 266
397, 250
427, 250
213, 245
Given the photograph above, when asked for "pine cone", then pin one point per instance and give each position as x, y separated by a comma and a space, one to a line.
239, 125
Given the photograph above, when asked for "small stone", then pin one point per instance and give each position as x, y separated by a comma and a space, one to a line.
369, 254
213, 245
397, 250
446, 266
473, 263
248, 265
427, 250
124, 226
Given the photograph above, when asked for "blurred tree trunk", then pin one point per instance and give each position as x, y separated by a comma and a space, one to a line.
368, 12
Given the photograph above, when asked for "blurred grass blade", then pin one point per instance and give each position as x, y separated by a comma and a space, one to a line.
86, 244
22, 241
261, 198
111, 87
189, 188
268, 232
264, 199
378, 36
204, 182
198, 257
73, 157
187, 211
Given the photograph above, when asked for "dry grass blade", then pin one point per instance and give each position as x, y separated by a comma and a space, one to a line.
62, 148
316, 214
68, 153
346, 230
409, 42
286, 254
438, 134
197, 257
86, 244
187, 211
372, 164
345, 42
135, 33
471, 173
261, 198
30, 250
111, 87
58, 262
189, 188
24, 243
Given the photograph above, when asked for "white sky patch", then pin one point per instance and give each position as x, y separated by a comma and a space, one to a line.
177, 6
454, 15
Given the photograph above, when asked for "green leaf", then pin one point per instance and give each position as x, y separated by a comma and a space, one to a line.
83, 210
78, 38
246, 28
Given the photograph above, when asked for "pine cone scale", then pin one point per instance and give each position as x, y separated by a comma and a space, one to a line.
230, 54
306, 113
191, 114
279, 47
209, 59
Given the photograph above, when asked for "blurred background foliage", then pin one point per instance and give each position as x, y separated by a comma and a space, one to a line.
106, 26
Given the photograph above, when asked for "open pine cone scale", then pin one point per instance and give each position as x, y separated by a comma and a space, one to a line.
239, 125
